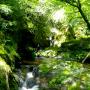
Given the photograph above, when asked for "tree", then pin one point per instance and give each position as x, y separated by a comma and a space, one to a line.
80, 6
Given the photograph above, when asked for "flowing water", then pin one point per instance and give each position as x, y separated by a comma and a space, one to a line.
52, 72
30, 82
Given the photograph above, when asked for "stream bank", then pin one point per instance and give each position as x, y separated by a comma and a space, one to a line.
57, 74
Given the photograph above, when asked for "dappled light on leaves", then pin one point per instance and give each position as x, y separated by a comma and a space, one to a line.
55, 33
42, 1
59, 15
4, 68
71, 75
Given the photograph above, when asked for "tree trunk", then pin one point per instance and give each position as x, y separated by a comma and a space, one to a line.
7, 83
83, 15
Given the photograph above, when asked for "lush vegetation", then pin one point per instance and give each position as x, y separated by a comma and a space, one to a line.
49, 28
63, 74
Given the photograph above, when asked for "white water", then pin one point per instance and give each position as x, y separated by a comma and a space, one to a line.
30, 82
33, 88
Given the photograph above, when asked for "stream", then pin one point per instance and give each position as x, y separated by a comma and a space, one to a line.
31, 79
57, 74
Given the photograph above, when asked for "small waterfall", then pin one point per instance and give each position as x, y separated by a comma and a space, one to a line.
30, 82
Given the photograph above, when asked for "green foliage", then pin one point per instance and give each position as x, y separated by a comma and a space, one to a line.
13, 81
46, 68
4, 67
65, 74
4, 70
75, 49
47, 53
18, 18
25, 24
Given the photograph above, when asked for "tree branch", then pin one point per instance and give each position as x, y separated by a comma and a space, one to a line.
72, 4
80, 11
83, 15
85, 57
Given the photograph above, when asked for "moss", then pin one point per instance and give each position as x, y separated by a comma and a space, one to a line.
13, 81
82, 43
7, 79
4, 70
69, 74
76, 49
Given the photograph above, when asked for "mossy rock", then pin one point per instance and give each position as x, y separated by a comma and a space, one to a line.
4, 70
80, 44
76, 49
7, 78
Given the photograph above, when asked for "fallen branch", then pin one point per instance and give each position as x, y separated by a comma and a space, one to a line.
85, 57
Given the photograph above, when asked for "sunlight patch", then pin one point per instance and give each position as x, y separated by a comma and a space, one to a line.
42, 1
54, 30
59, 15
4, 67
